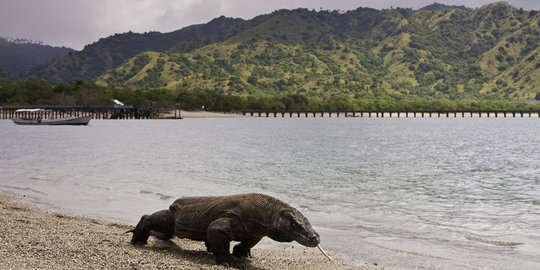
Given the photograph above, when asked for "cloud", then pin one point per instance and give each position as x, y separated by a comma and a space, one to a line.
81, 22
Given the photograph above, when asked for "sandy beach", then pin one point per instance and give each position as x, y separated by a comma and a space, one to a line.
32, 238
205, 114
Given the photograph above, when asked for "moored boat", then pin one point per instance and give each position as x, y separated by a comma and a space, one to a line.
36, 117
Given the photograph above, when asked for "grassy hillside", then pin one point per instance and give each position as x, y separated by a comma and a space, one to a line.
454, 53
107, 53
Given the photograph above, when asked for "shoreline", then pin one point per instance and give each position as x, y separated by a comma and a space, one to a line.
35, 238
205, 114
210, 114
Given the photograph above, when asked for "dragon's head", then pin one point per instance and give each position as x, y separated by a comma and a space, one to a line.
291, 225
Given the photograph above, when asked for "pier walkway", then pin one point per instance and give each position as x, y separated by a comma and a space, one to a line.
152, 113
392, 114
95, 112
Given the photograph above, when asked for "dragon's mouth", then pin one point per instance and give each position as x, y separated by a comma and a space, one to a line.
310, 239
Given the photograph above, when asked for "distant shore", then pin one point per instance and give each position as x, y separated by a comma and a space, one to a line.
32, 238
206, 114
325, 114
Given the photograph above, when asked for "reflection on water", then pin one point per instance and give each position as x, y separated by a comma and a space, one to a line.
403, 193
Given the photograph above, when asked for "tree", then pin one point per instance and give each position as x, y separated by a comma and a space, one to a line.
38, 92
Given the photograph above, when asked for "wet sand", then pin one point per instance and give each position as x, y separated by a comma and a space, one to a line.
32, 238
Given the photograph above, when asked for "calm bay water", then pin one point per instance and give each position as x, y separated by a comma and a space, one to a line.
426, 193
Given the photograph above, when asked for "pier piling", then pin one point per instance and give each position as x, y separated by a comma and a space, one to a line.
390, 114
96, 112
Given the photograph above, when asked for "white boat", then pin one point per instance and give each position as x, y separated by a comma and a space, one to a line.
38, 119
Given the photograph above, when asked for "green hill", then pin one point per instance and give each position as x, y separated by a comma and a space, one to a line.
455, 53
107, 53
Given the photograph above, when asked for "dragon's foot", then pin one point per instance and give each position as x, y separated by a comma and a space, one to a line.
233, 261
238, 251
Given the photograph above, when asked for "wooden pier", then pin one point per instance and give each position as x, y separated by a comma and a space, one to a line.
151, 113
382, 114
95, 112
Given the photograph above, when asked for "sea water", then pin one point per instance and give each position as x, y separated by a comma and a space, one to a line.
424, 193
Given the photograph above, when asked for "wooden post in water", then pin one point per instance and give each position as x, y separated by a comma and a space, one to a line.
179, 109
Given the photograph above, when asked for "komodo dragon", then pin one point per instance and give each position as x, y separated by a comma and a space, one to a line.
217, 221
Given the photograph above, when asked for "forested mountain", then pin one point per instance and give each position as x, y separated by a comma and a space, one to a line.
17, 56
366, 53
107, 53
437, 6
439, 52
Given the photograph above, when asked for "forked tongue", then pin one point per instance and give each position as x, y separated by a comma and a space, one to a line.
324, 253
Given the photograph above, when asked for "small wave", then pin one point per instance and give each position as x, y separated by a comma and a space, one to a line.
20, 188
161, 195
308, 208
408, 252
493, 242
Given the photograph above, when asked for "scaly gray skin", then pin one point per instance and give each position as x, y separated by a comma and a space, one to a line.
217, 221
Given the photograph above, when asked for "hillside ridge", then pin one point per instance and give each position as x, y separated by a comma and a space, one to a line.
435, 52
364, 53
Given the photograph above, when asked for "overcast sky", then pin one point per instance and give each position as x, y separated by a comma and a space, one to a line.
75, 23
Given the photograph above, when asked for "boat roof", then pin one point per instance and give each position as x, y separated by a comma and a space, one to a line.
30, 110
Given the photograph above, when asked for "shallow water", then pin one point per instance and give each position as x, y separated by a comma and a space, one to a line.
425, 193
